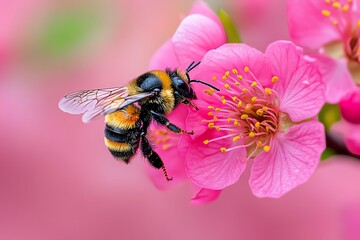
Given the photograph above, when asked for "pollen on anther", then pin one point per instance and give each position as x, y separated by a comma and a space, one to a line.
236, 123
266, 148
237, 83
257, 125
251, 134
223, 149
206, 142
215, 118
214, 78
210, 113
274, 79
259, 143
345, 8
227, 86
253, 84
236, 138
253, 99
234, 98
245, 90
217, 128
268, 91
326, 13
244, 116
210, 107
229, 120
239, 104
336, 5
235, 71
217, 109
246, 69
211, 125
240, 77
259, 112
227, 73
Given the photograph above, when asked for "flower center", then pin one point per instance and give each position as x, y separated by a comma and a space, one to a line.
247, 111
339, 14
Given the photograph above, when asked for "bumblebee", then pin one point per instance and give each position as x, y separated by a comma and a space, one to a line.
130, 109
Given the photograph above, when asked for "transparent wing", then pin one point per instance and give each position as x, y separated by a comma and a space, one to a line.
98, 102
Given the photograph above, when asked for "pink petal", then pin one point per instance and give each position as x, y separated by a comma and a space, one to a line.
164, 57
208, 167
204, 196
308, 26
336, 76
202, 8
300, 86
195, 36
293, 157
350, 133
234, 56
352, 143
350, 106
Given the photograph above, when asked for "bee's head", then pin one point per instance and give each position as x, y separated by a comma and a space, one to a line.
181, 82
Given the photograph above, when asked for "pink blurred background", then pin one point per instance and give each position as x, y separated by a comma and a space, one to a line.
58, 180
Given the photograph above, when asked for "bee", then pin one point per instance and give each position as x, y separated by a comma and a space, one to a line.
130, 109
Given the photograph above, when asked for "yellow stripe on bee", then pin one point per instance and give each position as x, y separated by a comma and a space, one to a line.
164, 78
125, 118
117, 146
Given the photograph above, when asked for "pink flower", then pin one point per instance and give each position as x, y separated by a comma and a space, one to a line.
198, 33
333, 27
350, 133
265, 111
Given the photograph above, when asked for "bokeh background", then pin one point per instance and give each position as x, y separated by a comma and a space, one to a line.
57, 179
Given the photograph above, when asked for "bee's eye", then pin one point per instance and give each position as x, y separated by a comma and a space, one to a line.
182, 86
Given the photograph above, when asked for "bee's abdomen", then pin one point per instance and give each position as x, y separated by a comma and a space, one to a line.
122, 132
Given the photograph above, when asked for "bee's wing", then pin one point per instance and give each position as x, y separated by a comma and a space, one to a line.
98, 102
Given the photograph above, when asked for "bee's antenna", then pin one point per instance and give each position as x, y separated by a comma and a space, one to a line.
207, 84
192, 66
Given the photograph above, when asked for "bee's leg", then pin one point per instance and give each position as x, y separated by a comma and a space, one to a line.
164, 121
187, 102
153, 157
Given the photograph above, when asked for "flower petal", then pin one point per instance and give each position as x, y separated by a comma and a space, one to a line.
336, 76
300, 86
208, 167
202, 8
308, 26
195, 36
293, 157
204, 196
350, 133
164, 57
350, 105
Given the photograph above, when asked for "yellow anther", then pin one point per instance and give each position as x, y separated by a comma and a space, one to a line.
251, 134
217, 128
224, 77
223, 101
217, 109
253, 99
209, 92
227, 86
223, 150
345, 8
336, 5
235, 71
211, 125
257, 125
165, 147
229, 120
206, 141
234, 98
214, 78
204, 120
236, 123
326, 13
253, 84
267, 128
240, 77
265, 108
227, 73
268, 91
237, 83
259, 112
266, 148
244, 116
244, 90
236, 138
259, 143
274, 79
239, 104
210, 113
210, 107
215, 118
246, 69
